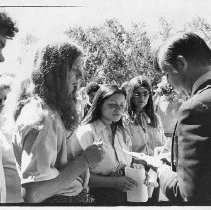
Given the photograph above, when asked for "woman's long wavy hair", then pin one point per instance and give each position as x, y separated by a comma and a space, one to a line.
133, 85
104, 93
48, 83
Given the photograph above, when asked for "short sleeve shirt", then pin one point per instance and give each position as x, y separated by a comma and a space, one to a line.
115, 153
42, 148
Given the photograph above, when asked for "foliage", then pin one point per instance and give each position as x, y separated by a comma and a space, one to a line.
114, 54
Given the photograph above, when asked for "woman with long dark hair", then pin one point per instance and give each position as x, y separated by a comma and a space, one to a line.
103, 123
43, 112
142, 123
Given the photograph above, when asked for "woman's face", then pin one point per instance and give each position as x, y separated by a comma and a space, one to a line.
74, 74
140, 98
113, 108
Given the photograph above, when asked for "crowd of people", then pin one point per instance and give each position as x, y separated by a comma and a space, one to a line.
60, 144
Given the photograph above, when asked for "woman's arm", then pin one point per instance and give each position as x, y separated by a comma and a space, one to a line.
36, 192
121, 183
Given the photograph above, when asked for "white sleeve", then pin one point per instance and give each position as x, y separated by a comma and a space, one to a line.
85, 136
39, 153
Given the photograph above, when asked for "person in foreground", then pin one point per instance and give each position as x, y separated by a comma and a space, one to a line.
186, 60
103, 123
44, 113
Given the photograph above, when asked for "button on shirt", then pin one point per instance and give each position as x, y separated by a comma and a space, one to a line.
115, 154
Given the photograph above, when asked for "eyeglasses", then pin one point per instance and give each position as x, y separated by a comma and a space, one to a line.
140, 94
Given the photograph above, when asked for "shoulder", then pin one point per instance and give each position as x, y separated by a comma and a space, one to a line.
85, 135
33, 115
84, 130
200, 102
197, 109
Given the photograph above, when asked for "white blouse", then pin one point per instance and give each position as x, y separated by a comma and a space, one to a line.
145, 141
115, 153
42, 147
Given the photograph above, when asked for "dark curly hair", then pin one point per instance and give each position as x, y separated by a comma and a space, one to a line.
8, 27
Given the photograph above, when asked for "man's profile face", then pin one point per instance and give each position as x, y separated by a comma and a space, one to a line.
2, 45
173, 76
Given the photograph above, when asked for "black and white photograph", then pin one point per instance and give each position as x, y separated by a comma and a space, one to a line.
105, 103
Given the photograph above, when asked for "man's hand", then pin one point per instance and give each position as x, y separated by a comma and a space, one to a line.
152, 162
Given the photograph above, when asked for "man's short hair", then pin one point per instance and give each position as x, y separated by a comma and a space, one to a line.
7, 26
92, 87
189, 45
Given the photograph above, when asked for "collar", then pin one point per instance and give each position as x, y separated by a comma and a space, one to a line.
200, 81
99, 126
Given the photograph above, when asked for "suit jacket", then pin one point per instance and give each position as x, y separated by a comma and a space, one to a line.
191, 150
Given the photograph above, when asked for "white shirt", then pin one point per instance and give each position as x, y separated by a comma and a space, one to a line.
114, 152
145, 141
43, 147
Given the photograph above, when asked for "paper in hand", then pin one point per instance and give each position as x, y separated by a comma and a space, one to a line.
140, 193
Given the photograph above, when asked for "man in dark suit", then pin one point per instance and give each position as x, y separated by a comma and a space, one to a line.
186, 60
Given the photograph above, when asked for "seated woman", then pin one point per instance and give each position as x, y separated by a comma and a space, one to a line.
103, 123
144, 126
44, 115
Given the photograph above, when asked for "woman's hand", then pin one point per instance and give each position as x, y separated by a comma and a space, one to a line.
123, 183
94, 154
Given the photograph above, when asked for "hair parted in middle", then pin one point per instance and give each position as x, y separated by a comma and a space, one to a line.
103, 93
133, 85
48, 83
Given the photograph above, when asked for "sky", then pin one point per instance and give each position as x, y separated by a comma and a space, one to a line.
51, 21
